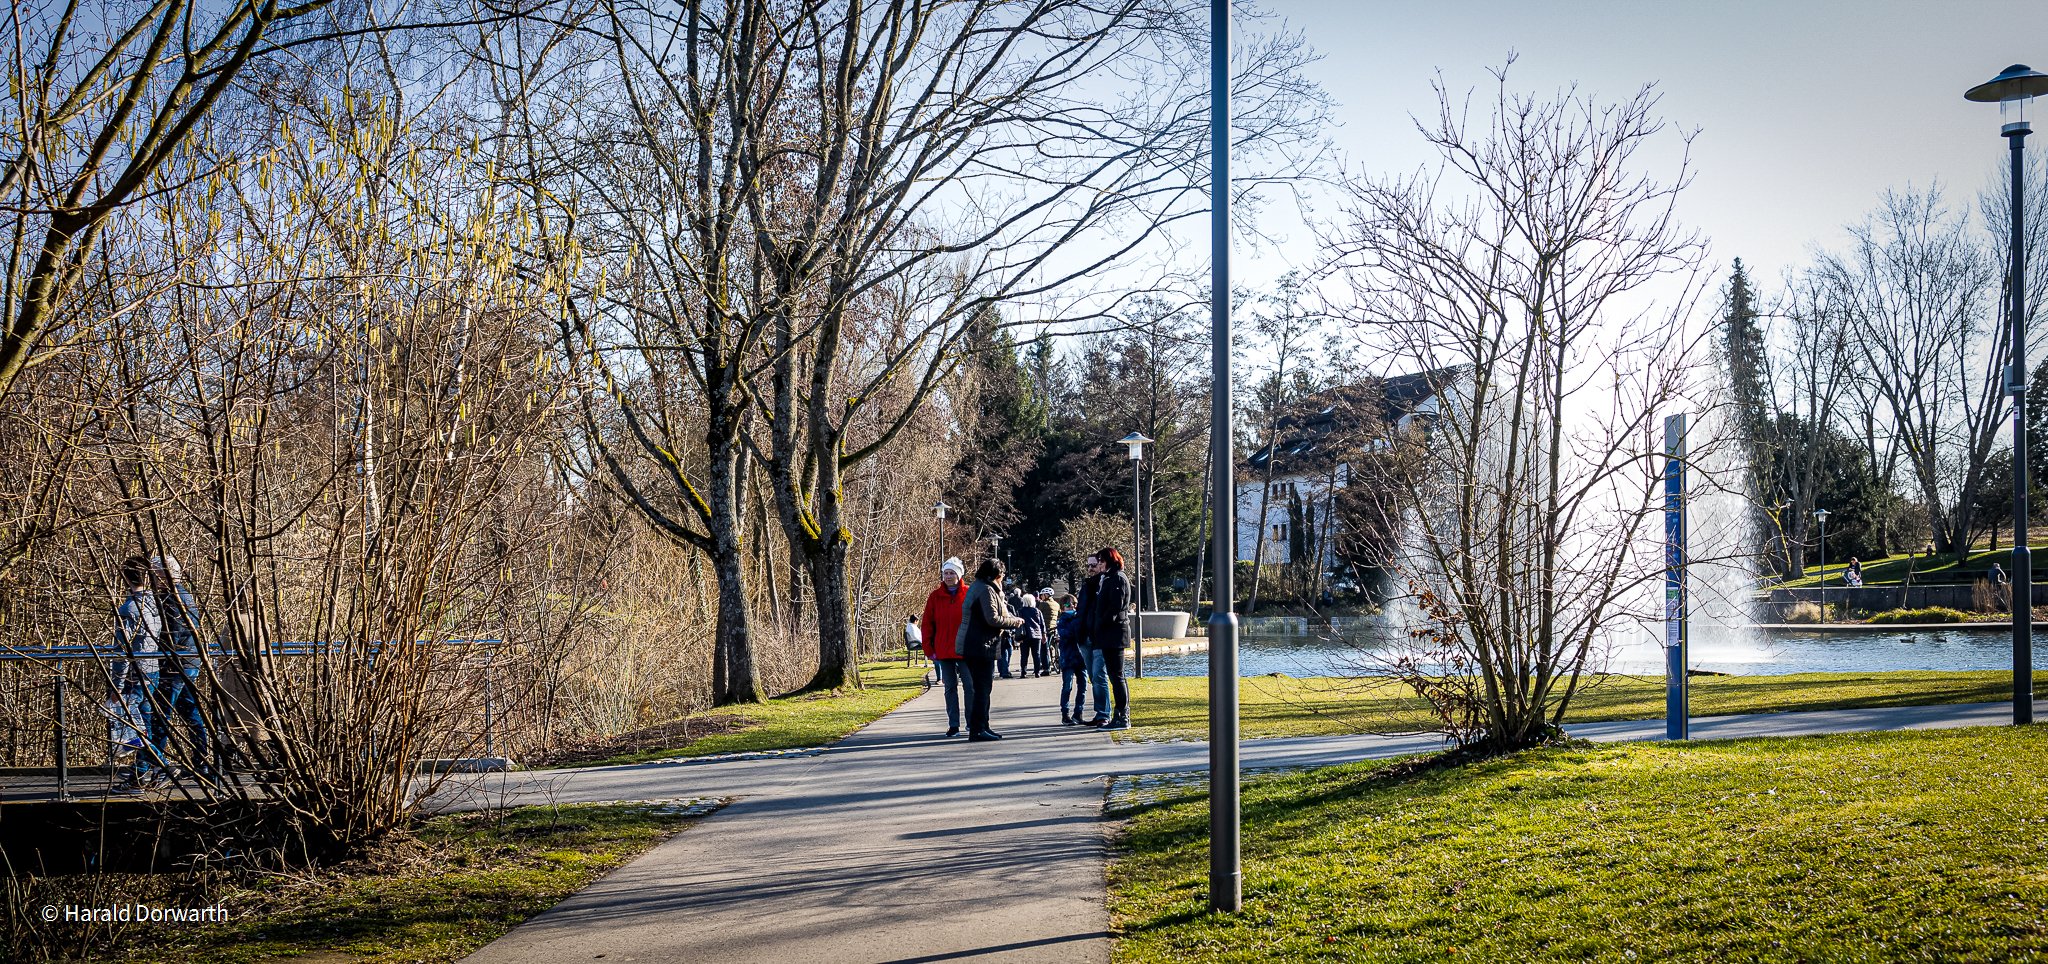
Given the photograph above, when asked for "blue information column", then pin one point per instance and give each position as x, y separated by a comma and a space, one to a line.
1677, 707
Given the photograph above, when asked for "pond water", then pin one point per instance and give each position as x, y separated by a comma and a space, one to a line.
1777, 653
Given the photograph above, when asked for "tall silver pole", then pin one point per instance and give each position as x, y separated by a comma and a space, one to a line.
1137, 572
1226, 874
2022, 561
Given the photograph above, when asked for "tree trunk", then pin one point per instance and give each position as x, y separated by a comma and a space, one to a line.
838, 657
735, 677
838, 654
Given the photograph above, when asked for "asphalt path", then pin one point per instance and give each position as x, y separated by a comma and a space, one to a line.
901, 845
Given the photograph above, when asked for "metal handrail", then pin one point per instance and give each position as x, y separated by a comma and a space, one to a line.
308, 648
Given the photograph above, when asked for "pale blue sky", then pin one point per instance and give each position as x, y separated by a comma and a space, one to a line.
1807, 110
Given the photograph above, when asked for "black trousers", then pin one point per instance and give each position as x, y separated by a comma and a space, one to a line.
1119, 690
1027, 652
981, 684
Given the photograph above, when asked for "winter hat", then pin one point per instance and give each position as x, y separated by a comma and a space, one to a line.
954, 566
169, 564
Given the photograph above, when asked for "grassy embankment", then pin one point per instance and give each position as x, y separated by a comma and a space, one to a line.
785, 723
1170, 707
1913, 846
455, 884
1927, 571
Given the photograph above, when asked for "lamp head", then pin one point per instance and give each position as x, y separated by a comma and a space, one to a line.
1822, 515
1137, 441
939, 509
2013, 90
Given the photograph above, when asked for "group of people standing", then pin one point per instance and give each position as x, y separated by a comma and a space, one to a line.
968, 631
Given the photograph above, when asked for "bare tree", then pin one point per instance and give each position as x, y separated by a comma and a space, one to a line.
861, 183
1811, 384
1286, 329
1521, 261
1921, 293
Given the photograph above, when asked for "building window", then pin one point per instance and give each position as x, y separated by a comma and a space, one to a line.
1280, 532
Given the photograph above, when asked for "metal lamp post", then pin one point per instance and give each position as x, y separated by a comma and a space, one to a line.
2013, 89
1821, 516
1137, 441
939, 528
1226, 871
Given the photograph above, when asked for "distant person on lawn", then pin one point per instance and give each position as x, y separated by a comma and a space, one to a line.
1853, 576
941, 624
913, 641
982, 626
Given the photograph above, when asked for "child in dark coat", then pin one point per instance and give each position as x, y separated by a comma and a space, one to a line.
1073, 662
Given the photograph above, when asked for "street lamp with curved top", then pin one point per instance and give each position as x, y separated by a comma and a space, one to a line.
2014, 90
1136, 441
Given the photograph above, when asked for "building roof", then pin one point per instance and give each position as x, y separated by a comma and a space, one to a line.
1321, 428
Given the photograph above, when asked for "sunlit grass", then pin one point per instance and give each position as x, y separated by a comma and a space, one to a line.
1177, 707
1910, 846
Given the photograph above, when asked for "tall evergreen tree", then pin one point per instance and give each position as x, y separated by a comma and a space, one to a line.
1005, 425
1747, 361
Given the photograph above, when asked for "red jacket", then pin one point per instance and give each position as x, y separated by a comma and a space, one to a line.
941, 622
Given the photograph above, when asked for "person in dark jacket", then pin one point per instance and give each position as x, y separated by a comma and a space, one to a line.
983, 620
1073, 662
1048, 647
1107, 629
1030, 636
1098, 672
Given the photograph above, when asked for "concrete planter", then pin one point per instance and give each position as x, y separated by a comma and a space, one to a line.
1164, 625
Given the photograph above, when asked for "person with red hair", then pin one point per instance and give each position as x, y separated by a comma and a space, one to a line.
1109, 632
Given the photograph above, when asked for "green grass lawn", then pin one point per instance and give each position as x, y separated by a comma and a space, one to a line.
789, 722
1913, 846
458, 883
1891, 570
1177, 707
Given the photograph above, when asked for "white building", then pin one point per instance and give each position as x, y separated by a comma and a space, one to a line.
1309, 461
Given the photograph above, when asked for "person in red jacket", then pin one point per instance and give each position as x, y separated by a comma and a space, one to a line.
941, 625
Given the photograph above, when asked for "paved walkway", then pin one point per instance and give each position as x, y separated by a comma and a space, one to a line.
898, 845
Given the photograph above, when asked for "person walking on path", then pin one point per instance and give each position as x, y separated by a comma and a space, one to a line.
182, 661
986, 617
1073, 663
1050, 613
1030, 636
1109, 631
138, 635
1010, 641
942, 624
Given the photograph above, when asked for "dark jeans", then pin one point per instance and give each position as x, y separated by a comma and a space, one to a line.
1119, 691
952, 675
1027, 653
1073, 688
1003, 655
980, 680
178, 692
